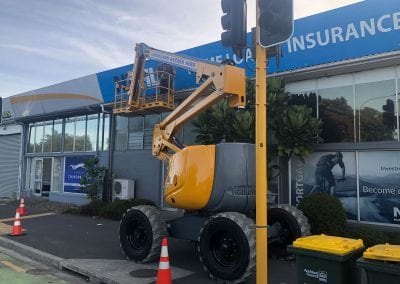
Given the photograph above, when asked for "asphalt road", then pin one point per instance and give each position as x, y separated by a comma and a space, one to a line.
95, 240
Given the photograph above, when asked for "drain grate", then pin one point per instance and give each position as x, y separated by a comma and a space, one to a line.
143, 273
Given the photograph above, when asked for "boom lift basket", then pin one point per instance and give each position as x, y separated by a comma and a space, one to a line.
156, 93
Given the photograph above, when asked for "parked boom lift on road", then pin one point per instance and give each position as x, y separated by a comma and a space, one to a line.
213, 184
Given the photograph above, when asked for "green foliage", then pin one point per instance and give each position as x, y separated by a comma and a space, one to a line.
113, 210
370, 236
325, 214
117, 208
294, 126
297, 132
92, 179
91, 209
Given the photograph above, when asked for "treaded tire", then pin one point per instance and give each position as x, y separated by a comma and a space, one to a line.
140, 233
227, 247
293, 223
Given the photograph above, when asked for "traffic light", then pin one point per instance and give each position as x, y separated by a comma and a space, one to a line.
388, 117
275, 21
234, 24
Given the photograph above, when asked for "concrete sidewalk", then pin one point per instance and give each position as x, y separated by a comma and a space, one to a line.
90, 247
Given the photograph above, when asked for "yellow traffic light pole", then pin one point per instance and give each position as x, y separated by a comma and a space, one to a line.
261, 164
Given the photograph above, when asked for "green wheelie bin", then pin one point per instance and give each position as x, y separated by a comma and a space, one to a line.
327, 259
382, 264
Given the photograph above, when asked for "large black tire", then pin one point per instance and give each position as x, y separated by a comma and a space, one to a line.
140, 233
227, 247
293, 225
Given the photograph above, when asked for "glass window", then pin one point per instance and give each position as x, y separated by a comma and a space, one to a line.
376, 117
91, 133
31, 141
80, 133
39, 138
121, 135
149, 122
69, 134
101, 132
121, 123
106, 136
48, 134
121, 140
57, 175
135, 137
309, 99
57, 136
336, 111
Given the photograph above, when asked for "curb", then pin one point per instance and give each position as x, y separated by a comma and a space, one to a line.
32, 253
54, 261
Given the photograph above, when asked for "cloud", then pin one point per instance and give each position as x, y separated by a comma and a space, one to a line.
60, 40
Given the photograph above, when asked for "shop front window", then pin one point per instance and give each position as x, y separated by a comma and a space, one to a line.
80, 133
106, 133
57, 136
135, 139
39, 138
376, 111
57, 175
121, 133
69, 134
149, 122
337, 114
31, 142
91, 132
48, 136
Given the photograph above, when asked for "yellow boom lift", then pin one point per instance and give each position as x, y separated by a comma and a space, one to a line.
214, 185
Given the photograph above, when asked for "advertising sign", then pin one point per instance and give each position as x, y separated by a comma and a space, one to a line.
329, 172
74, 169
379, 186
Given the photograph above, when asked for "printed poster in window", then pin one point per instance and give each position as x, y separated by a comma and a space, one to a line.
74, 169
330, 172
380, 186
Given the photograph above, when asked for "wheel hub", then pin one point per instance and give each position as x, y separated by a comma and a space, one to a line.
225, 249
137, 235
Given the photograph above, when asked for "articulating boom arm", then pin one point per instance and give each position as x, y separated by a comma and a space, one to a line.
216, 81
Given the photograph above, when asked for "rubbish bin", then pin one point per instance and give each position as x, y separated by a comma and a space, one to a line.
382, 264
327, 259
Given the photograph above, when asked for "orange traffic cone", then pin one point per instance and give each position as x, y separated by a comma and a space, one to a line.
17, 228
164, 272
21, 209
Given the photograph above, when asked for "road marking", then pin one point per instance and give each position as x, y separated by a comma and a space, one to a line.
28, 217
12, 266
5, 229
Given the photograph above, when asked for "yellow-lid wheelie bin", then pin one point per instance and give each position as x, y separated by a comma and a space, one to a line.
327, 259
382, 264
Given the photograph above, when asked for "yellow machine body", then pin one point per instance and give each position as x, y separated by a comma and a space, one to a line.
190, 178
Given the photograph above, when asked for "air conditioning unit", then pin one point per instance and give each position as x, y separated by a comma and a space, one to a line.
123, 189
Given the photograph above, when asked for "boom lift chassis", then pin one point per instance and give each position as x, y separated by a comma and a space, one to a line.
213, 185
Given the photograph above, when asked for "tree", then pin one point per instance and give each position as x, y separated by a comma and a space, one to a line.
293, 126
92, 179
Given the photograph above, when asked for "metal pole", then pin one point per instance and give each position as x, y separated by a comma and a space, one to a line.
261, 165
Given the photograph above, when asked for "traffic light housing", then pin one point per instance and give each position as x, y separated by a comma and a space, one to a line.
275, 21
388, 116
234, 24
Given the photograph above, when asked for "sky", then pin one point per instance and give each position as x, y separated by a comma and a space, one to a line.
43, 42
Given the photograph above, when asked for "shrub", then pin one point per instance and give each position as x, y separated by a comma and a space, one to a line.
92, 209
117, 208
370, 236
113, 210
325, 214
